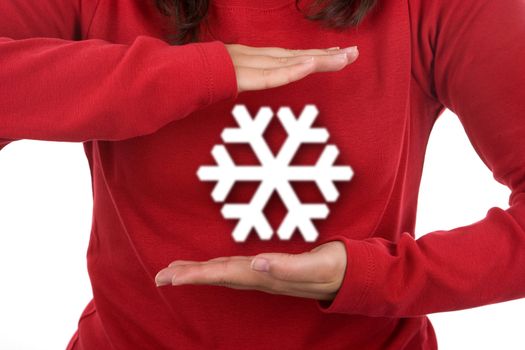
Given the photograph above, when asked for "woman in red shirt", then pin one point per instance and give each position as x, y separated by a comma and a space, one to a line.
149, 113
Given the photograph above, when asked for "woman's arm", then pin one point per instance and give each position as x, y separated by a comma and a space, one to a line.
55, 86
479, 74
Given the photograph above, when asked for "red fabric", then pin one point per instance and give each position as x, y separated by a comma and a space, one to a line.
149, 113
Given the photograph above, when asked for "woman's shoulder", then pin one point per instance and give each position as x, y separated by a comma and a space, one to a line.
455, 43
448, 35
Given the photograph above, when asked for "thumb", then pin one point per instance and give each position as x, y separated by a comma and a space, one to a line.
289, 267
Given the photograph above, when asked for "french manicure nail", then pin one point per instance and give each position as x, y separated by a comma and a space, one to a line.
351, 51
160, 283
163, 277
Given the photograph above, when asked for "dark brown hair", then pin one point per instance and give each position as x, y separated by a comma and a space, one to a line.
186, 15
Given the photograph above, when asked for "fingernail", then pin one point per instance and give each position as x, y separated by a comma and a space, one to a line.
159, 283
163, 278
334, 48
351, 51
260, 264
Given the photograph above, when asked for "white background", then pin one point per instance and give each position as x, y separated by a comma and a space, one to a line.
45, 219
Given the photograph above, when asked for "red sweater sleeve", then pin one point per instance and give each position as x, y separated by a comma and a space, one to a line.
478, 55
57, 87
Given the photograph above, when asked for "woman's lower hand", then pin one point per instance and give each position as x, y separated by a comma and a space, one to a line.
317, 274
259, 68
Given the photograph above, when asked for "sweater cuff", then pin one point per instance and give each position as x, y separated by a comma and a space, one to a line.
358, 276
222, 78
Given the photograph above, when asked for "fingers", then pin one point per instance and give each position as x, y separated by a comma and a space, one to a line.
278, 51
259, 79
323, 63
266, 78
221, 271
222, 258
265, 61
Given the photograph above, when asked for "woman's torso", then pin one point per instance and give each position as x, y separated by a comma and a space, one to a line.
150, 208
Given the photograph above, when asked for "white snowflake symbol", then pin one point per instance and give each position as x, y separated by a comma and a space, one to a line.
275, 173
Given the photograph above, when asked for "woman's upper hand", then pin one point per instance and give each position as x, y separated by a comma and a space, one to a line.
259, 68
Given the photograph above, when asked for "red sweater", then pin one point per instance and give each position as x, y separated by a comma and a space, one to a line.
148, 114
